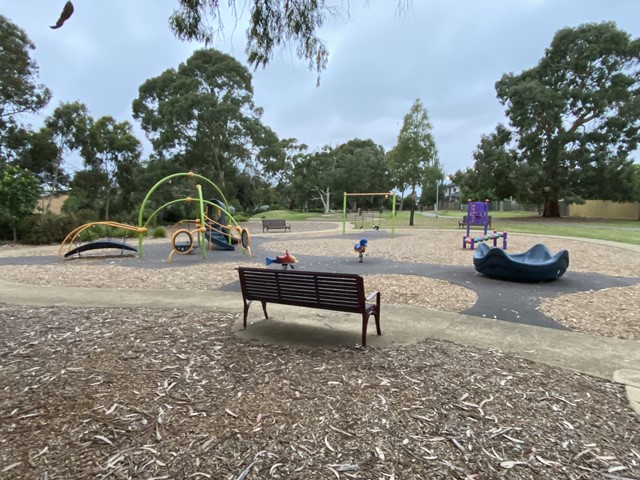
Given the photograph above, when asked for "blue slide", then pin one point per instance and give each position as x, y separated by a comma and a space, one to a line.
218, 239
535, 265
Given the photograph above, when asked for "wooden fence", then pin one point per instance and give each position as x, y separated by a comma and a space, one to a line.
606, 209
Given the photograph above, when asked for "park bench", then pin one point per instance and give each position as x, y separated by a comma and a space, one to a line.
275, 224
342, 292
463, 222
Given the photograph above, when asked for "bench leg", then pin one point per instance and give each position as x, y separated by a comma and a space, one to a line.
377, 317
365, 322
246, 312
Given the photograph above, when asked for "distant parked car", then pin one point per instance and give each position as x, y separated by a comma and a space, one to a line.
261, 208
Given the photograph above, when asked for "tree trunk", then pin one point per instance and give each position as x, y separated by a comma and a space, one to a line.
54, 183
413, 196
325, 198
106, 206
551, 208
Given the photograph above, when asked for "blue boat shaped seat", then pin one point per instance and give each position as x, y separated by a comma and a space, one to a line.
535, 265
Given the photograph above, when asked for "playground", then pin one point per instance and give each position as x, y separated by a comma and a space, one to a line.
129, 366
418, 268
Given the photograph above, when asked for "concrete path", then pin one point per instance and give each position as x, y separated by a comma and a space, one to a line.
607, 358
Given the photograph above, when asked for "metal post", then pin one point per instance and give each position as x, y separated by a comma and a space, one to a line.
344, 212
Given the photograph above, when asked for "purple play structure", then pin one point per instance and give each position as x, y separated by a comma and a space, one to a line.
478, 214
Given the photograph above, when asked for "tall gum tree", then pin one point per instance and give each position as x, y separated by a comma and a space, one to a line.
273, 24
19, 193
577, 112
414, 160
20, 91
113, 152
202, 116
69, 125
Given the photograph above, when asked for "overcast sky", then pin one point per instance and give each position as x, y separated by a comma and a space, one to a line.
447, 53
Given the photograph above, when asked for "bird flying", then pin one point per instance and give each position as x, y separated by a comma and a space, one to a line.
67, 11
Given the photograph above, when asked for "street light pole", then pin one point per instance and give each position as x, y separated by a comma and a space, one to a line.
437, 195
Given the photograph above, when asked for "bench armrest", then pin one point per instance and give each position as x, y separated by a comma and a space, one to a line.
373, 294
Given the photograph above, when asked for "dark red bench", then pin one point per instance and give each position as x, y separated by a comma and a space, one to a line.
275, 224
342, 292
463, 222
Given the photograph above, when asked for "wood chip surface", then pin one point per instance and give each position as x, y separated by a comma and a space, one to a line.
173, 394
164, 394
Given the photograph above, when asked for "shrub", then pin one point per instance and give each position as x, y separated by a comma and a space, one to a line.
94, 233
44, 229
240, 217
159, 232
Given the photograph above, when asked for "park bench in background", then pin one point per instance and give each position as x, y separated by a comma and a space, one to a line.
342, 292
463, 222
275, 224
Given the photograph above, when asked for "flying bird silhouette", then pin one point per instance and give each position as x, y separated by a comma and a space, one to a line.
67, 11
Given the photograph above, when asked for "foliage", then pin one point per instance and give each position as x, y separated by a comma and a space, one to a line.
356, 166
280, 172
361, 167
113, 154
289, 215
636, 183
273, 24
159, 232
312, 179
414, 159
19, 193
39, 155
576, 116
19, 91
68, 129
45, 229
201, 116
240, 217
86, 186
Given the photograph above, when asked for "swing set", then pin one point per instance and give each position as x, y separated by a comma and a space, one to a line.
360, 215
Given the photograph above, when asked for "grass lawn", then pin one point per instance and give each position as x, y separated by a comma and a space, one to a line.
624, 231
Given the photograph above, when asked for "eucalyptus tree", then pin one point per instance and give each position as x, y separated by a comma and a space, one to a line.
202, 116
114, 154
19, 193
361, 166
273, 24
576, 115
496, 173
414, 160
313, 178
280, 171
20, 91
40, 156
65, 132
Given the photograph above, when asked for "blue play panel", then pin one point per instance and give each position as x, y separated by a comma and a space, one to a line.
535, 265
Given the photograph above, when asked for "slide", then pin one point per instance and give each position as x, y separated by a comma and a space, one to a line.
218, 240
535, 265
